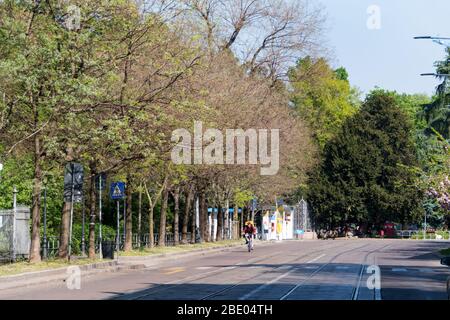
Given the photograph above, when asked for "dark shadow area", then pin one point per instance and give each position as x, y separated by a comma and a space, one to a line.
318, 281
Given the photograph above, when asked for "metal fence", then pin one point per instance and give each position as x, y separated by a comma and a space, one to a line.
51, 245
6, 235
419, 235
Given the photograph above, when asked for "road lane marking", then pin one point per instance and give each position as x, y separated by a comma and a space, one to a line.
342, 267
262, 287
170, 284
302, 282
426, 270
399, 270
174, 270
315, 259
315, 272
204, 268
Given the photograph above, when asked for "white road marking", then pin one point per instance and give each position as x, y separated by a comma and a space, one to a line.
399, 270
342, 267
229, 268
204, 268
315, 259
284, 267
262, 287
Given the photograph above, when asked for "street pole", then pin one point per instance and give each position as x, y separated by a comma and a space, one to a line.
124, 219
118, 230
83, 241
139, 216
71, 211
45, 224
425, 227
14, 224
100, 252
197, 221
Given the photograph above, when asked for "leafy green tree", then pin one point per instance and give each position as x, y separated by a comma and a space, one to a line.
365, 174
321, 96
437, 113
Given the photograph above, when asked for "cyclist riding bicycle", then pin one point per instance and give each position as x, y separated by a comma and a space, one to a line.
249, 231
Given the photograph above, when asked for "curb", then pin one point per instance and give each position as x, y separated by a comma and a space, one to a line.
59, 275
53, 275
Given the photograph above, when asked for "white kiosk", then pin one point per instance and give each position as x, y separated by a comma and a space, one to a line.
278, 223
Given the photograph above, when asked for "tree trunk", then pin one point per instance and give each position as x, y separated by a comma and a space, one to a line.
236, 233
129, 218
241, 225
151, 226
219, 235
187, 209
92, 213
227, 217
163, 219
35, 247
193, 219
64, 232
176, 216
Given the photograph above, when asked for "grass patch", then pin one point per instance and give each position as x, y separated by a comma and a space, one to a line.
181, 248
445, 252
22, 267
431, 236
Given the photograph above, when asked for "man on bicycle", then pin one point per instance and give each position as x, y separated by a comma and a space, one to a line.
249, 231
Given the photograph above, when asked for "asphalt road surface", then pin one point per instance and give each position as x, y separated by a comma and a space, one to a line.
292, 270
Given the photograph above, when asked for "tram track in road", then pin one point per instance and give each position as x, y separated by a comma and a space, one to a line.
356, 287
172, 284
214, 294
363, 267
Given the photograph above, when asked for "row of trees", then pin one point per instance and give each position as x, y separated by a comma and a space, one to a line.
105, 83
387, 162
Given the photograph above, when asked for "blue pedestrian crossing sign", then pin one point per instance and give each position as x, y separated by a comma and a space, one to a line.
117, 190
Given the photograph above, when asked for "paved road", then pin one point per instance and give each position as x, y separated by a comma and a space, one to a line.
293, 270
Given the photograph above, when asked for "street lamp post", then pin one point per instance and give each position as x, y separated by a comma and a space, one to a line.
83, 230
438, 40
14, 224
443, 41
441, 75
45, 224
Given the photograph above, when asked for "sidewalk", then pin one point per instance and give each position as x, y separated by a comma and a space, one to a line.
60, 275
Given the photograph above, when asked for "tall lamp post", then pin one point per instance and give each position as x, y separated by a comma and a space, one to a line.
438, 40
443, 41
45, 223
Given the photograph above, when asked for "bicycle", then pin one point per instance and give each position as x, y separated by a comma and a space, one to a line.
249, 242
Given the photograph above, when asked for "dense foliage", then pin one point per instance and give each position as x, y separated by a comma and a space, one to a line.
364, 176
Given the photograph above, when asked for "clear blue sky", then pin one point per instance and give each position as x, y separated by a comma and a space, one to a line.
389, 57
